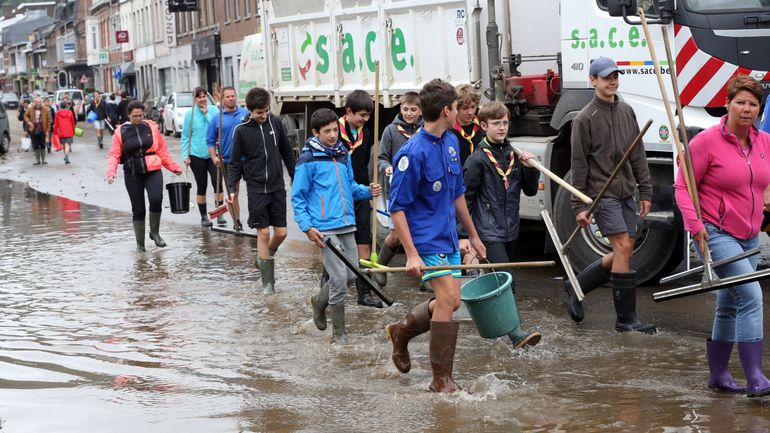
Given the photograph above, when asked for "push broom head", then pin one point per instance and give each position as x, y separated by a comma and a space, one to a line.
218, 211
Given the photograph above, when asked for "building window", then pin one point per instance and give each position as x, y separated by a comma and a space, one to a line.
212, 13
247, 9
227, 11
237, 9
94, 38
229, 77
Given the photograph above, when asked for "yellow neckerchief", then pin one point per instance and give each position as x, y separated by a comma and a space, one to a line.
406, 134
497, 166
344, 135
467, 137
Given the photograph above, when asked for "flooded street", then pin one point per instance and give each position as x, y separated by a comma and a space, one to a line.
96, 337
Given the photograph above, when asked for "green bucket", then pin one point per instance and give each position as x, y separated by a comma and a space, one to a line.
490, 303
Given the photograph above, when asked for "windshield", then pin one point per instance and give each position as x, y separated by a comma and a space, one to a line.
184, 100
720, 5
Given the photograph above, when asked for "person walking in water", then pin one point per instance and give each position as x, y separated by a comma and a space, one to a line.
232, 115
426, 200
195, 151
140, 147
260, 144
39, 122
64, 127
601, 133
99, 106
322, 195
732, 176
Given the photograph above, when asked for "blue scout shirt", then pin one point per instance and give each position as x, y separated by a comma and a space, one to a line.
427, 180
230, 119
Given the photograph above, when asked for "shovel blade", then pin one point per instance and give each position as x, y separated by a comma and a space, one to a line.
562, 255
695, 289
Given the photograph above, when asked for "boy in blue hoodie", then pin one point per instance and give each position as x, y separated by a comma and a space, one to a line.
322, 196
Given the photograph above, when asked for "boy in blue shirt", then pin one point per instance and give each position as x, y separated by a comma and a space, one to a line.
426, 200
232, 116
322, 196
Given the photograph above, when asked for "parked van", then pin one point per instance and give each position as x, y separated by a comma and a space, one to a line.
78, 99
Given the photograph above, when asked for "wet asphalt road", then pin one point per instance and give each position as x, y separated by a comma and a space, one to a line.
95, 337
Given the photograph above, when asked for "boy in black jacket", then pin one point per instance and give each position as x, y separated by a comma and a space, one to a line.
359, 140
259, 145
494, 178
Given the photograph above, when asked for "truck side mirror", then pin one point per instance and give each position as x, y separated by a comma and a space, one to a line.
621, 8
666, 10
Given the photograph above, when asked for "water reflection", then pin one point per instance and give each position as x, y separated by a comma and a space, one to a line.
100, 338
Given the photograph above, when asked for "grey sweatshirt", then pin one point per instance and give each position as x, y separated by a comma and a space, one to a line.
393, 139
601, 133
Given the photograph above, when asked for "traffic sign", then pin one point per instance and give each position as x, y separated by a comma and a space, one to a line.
118, 74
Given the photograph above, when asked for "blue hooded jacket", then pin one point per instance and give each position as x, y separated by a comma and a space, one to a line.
324, 189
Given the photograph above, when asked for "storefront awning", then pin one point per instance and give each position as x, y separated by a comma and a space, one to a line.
128, 68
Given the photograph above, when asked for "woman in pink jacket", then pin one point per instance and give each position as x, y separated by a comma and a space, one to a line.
140, 147
731, 166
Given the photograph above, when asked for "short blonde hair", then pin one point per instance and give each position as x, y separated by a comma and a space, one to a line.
493, 111
467, 95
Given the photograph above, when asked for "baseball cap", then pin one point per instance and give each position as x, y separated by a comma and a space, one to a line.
603, 66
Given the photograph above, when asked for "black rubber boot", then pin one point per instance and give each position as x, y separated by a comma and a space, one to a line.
338, 323
365, 297
383, 258
624, 295
593, 276
37, 157
155, 229
139, 235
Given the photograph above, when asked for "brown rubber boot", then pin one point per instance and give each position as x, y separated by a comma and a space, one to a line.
415, 322
443, 340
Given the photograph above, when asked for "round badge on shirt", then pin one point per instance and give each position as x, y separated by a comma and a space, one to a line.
437, 186
403, 163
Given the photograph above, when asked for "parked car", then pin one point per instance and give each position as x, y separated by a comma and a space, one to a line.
156, 112
177, 105
5, 131
78, 99
10, 100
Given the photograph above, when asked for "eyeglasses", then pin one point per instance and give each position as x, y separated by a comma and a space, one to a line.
498, 124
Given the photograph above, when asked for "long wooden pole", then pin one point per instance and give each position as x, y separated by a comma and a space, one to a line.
508, 265
554, 177
375, 155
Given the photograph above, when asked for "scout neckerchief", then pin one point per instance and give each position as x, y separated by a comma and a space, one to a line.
467, 137
344, 135
497, 166
406, 134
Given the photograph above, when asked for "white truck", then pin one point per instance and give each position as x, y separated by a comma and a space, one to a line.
532, 55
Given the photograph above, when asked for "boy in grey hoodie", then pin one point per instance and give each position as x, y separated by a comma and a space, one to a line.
404, 125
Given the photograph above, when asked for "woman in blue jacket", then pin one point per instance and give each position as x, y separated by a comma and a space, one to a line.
195, 151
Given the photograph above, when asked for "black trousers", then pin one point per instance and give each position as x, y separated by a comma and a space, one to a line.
152, 182
501, 252
200, 168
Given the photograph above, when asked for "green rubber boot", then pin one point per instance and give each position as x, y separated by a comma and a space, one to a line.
519, 337
383, 258
338, 323
155, 228
267, 275
139, 235
319, 302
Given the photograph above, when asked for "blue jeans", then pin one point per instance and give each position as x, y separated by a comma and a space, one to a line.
739, 308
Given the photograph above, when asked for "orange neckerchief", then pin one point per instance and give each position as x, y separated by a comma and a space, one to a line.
497, 166
344, 135
406, 134
467, 137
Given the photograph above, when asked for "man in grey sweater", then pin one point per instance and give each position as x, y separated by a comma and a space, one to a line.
601, 134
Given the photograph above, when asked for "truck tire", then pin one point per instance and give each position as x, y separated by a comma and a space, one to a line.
656, 251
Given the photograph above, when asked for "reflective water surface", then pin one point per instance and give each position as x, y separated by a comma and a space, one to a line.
95, 337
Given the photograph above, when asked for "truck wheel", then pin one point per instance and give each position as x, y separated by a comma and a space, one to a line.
656, 251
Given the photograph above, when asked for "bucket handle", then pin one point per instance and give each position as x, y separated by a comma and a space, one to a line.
497, 278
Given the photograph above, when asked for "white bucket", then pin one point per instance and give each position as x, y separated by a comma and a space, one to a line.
26, 143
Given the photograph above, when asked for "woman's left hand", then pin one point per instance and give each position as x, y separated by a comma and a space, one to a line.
766, 199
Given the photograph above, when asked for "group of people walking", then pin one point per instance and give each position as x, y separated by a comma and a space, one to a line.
453, 185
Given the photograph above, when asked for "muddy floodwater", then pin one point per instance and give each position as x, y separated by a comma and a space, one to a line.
97, 338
